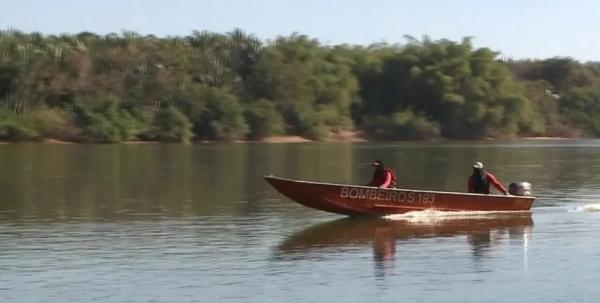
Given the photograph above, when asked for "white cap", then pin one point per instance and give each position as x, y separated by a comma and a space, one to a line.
477, 165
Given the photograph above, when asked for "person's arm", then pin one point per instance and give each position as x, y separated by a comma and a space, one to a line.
470, 185
492, 179
388, 180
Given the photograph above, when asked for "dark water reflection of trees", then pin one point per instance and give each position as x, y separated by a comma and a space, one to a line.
61, 182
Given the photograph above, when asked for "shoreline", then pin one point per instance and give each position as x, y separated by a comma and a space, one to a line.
551, 138
344, 136
283, 140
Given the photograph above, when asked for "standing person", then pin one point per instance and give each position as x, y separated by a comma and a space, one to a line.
479, 181
382, 177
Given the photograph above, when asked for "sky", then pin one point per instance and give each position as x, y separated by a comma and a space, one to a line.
518, 29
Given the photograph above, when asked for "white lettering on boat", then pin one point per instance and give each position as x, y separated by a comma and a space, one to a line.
364, 193
386, 195
354, 193
373, 195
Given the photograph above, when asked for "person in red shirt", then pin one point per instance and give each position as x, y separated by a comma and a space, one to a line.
382, 177
479, 182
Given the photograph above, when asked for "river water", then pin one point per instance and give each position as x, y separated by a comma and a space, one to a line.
197, 223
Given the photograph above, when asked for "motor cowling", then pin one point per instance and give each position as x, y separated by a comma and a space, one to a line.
520, 188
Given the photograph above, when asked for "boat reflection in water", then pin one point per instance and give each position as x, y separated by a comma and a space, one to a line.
482, 233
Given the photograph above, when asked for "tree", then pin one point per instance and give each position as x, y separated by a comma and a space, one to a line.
171, 125
263, 119
223, 118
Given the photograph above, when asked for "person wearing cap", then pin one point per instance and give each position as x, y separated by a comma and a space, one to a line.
382, 177
479, 182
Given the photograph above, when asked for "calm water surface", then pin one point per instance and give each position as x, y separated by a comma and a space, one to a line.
196, 223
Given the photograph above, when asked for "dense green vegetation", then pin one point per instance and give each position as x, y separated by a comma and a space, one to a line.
211, 86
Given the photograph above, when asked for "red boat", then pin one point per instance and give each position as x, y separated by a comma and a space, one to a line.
356, 200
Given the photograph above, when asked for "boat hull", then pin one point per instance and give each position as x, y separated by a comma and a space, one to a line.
355, 200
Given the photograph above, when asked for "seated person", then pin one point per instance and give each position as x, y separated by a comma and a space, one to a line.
479, 181
382, 177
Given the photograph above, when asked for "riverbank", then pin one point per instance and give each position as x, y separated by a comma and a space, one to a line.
549, 138
344, 137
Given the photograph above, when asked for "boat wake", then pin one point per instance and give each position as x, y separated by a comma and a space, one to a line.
595, 207
436, 216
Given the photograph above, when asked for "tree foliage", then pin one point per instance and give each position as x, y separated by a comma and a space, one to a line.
263, 119
170, 125
232, 86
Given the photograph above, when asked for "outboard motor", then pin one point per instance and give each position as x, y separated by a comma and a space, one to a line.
520, 188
